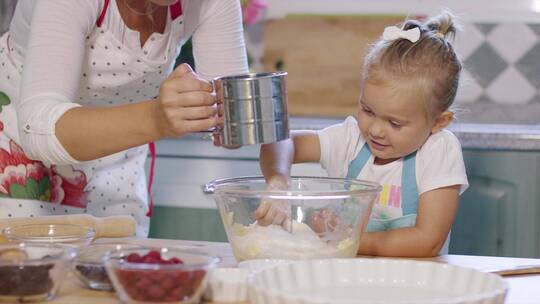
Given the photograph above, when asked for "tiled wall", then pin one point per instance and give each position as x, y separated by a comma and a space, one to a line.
500, 82
501, 79
500, 47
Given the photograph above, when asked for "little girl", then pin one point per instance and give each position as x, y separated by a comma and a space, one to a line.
398, 140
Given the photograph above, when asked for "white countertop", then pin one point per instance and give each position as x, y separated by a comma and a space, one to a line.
522, 288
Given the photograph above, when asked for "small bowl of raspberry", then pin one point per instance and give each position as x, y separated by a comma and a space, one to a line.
159, 275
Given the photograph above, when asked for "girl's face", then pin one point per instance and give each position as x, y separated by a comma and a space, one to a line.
392, 121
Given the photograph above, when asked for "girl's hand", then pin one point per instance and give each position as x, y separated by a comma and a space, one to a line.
186, 104
324, 220
275, 212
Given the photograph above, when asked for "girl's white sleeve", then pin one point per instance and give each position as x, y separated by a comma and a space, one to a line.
218, 39
440, 163
52, 67
339, 144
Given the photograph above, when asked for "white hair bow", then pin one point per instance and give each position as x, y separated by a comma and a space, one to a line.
392, 33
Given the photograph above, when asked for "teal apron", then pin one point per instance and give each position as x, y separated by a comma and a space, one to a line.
409, 191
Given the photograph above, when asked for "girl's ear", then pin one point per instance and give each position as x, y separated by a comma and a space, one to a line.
442, 121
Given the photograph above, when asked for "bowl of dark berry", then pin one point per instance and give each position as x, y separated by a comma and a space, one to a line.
32, 272
159, 275
89, 265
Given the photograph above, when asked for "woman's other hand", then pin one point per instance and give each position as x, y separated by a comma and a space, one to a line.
186, 104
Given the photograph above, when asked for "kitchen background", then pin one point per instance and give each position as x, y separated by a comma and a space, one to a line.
499, 45
321, 43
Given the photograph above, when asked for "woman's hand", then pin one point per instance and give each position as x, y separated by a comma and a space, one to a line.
186, 104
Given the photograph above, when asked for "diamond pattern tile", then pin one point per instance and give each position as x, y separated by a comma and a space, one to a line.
535, 99
485, 28
485, 64
484, 98
535, 27
511, 88
512, 40
529, 65
468, 40
469, 90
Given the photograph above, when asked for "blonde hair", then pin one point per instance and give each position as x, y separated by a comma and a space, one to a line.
429, 64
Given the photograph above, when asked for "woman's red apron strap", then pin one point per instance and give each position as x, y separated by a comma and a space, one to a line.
152, 148
102, 14
176, 10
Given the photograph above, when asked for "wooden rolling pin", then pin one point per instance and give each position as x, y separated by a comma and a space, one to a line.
109, 226
516, 270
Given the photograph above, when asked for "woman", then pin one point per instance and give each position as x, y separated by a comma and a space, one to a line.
85, 85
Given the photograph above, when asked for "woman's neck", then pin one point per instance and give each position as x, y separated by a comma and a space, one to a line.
137, 18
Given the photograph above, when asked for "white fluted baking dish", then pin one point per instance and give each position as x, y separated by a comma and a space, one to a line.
258, 265
227, 285
368, 280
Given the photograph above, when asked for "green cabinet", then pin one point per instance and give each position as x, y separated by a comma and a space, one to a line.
187, 224
500, 212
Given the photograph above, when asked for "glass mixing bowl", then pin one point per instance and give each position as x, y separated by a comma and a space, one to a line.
324, 216
75, 235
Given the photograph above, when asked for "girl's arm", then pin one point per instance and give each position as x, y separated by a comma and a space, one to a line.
277, 158
436, 212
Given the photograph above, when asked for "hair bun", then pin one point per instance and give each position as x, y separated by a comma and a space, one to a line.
443, 24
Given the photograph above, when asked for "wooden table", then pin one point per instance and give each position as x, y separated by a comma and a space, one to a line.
523, 288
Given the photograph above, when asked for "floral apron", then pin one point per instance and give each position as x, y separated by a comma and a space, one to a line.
112, 74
